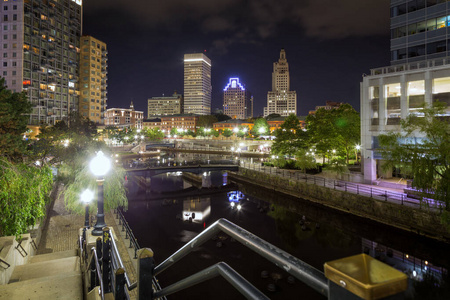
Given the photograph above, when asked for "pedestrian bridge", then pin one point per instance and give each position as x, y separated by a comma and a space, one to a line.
150, 171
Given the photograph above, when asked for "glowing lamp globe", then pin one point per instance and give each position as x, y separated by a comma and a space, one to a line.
100, 165
87, 196
261, 130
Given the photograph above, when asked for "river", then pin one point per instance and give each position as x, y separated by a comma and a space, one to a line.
160, 219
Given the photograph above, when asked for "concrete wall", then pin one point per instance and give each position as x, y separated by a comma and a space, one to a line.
11, 254
420, 221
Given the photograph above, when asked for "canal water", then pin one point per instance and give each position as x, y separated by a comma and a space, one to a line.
165, 212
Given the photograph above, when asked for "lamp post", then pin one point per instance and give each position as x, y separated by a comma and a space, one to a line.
99, 166
86, 197
357, 147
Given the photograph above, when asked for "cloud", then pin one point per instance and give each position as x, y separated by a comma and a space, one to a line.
330, 19
256, 20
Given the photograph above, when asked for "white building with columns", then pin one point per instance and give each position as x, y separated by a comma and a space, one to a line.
392, 93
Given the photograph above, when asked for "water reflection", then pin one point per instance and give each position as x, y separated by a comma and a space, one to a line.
308, 231
196, 210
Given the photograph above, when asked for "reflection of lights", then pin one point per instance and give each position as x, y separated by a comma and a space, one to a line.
178, 173
425, 268
205, 174
414, 273
407, 256
426, 262
232, 204
238, 206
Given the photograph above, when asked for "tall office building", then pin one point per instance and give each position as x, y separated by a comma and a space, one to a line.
419, 30
236, 100
165, 106
93, 77
40, 44
419, 74
281, 100
197, 84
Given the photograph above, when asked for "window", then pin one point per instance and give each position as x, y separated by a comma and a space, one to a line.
5, 18
14, 7
14, 64
14, 36
5, 36
5, 7
5, 64
440, 22
5, 54
14, 73
14, 17
5, 73
431, 24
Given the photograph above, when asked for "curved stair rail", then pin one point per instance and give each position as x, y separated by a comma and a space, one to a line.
299, 269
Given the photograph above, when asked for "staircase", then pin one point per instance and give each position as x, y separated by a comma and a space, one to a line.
46, 276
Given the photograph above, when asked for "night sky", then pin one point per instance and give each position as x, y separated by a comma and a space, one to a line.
329, 45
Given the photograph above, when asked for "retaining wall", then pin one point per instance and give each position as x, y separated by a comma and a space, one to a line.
420, 221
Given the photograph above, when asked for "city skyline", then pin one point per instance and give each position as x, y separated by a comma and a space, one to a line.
327, 55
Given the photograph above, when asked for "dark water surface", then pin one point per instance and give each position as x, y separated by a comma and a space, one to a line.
310, 232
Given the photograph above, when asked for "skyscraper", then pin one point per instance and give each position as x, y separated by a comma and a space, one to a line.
197, 84
236, 100
281, 100
418, 30
40, 42
93, 77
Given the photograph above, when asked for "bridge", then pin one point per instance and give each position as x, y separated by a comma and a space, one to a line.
152, 170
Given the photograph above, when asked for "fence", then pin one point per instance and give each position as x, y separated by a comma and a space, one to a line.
354, 188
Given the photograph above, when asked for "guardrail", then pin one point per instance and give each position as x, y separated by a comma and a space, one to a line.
4, 262
359, 189
128, 232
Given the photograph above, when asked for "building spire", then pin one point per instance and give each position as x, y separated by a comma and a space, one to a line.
131, 105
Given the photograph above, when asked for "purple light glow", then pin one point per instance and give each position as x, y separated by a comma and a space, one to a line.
233, 83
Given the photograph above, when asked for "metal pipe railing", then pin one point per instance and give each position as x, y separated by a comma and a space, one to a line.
219, 269
98, 271
299, 269
4, 262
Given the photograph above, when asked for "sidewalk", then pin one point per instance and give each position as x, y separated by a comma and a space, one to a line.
61, 234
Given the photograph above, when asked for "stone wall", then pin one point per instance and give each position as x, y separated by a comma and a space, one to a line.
420, 221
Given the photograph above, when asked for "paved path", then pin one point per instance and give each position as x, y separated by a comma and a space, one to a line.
61, 234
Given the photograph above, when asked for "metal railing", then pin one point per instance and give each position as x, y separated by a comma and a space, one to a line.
21, 250
299, 269
128, 232
354, 188
4, 262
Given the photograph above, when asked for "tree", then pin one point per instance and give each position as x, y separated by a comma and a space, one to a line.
14, 108
24, 193
304, 160
289, 138
221, 117
422, 151
227, 132
335, 129
154, 134
348, 127
272, 116
206, 121
260, 127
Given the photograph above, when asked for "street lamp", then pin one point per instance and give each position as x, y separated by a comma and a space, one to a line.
261, 130
86, 197
99, 166
358, 147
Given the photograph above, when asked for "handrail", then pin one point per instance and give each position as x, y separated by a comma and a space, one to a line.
21, 247
2, 261
33, 244
222, 269
116, 256
129, 232
97, 269
299, 269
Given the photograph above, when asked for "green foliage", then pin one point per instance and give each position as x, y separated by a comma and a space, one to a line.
24, 193
425, 159
304, 160
154, 134
260, 127
272, 117
227, 132
335, 129
114, 191
14, 108
289, 137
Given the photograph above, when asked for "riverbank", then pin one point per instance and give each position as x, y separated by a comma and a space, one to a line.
423, 221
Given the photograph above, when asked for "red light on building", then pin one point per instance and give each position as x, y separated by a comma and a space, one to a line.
27, 82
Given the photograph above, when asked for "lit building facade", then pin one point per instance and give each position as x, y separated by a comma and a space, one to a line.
40, 45
124, 117
152, 123
197, 84
237, 100
419, 30
419, 74
165, 106
281, 100
93, 79
184, 121
329, 105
